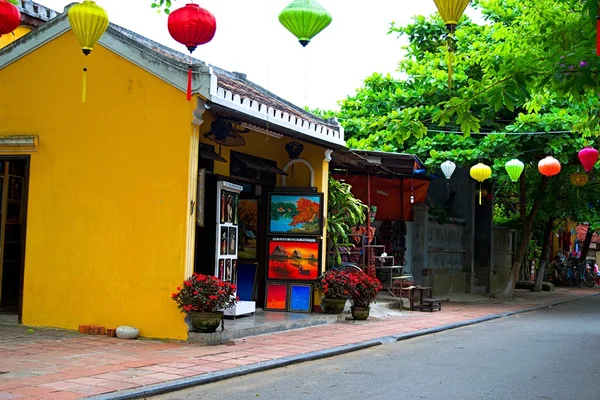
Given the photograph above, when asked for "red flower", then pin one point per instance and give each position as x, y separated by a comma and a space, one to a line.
187, 283
196, 292
178, 288
174, 295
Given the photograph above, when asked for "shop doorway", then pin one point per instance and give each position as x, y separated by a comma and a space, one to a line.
14, 179
257, 177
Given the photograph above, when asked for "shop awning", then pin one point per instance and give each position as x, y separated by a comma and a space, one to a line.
251, 163
209, 154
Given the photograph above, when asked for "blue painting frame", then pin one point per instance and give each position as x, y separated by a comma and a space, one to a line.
300, 298
280, 216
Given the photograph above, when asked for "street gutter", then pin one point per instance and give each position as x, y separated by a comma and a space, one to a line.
212, 377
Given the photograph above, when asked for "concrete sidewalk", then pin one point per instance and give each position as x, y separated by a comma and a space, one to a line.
55, 364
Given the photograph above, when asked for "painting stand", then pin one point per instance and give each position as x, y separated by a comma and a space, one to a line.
226, 262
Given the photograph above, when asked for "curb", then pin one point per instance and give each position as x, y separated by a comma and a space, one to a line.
212, 377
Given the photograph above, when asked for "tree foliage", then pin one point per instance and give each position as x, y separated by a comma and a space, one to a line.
524, 86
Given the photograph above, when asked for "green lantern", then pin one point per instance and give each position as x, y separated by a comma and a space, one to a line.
304, 19
515, 169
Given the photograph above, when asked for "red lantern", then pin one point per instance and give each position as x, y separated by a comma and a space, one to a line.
588, 158
10, 17
192, 26
549, 166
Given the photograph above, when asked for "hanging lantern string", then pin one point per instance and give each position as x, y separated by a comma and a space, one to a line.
305, 76
189, 78
451, 45
84, 86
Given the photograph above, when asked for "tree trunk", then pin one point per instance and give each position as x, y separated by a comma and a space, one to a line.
586, 244
509, 287
539, 279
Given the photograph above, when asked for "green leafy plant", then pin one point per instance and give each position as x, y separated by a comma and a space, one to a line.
204, 293
343, 212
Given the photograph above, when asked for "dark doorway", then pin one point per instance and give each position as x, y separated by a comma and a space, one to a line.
14, 180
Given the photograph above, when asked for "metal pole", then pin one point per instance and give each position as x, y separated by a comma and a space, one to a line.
369, 205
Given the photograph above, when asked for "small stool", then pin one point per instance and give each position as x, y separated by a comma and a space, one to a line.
431, 305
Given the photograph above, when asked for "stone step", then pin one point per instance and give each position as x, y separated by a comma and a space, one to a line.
262, 323
479, 290
9, 318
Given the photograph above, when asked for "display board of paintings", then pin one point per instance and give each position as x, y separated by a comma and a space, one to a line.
227, 231
296, 214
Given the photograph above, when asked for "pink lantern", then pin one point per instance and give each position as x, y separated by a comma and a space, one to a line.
588, 158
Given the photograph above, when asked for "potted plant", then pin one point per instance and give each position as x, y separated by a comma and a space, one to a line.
365, 289
204, 298
337, 288
343, 212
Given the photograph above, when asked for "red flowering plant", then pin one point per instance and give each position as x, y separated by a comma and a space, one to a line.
204, 293
335, 285
365, 289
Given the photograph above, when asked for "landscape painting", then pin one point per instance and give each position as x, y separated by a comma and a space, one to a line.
296, 214
248, 228
293, 259
277, 294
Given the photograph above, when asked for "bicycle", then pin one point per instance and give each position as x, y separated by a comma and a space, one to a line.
583, 274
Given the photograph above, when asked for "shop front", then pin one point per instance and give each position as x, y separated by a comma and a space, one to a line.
261, 207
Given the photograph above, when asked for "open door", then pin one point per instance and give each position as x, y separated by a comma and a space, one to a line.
14, 179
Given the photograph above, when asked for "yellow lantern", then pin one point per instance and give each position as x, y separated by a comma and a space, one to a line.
89, 21
579, 179
480, 173
451, 11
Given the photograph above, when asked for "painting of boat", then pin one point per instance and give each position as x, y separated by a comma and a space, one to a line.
293, 260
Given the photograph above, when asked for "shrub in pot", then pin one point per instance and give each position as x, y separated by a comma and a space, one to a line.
337, 288
364, 291
204, 298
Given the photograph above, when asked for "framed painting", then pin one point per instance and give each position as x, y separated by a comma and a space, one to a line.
297, 214
276, 297
222, 205
229, 207
234, 272
221, 269
246, 281
224, 238
300, 298
232, 244
227, 270
247, 229
294, 259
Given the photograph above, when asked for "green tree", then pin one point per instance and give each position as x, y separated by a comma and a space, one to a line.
523, 86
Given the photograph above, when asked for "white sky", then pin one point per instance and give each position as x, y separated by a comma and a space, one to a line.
251, 40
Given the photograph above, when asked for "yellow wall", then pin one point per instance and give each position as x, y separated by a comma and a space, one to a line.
21, 31
108, 197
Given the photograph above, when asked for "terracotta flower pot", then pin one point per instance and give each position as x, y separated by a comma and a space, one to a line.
333, 306
206, 322
360, 313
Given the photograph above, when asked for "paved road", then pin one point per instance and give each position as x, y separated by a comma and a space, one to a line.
551, 354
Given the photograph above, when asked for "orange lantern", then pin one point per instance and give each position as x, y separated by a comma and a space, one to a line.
549, 166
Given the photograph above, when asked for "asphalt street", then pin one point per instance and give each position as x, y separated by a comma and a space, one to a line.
551, 354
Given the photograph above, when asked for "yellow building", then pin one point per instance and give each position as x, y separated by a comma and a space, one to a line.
100, 214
